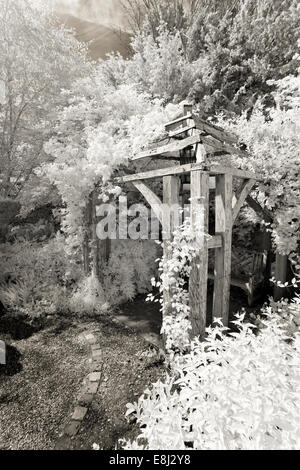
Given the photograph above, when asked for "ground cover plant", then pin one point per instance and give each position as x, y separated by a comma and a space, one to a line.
236, 390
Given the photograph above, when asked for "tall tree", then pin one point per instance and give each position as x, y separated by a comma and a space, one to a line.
38, 58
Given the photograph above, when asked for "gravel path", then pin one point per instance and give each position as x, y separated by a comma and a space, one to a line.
35, 402
38, 400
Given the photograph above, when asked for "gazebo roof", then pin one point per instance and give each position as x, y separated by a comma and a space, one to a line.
188, 132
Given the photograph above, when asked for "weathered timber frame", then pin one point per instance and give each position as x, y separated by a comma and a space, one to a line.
190, 142
203, 177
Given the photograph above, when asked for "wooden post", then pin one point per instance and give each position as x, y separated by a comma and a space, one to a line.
199, 271
100, 249
171, 185
187, 108
86, 249
95, 240
223, 227
281, 266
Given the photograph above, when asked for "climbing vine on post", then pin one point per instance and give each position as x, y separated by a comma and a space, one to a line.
175, 269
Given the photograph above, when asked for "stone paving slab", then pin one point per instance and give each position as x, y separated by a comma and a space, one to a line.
79, 413
94, 376
86, 396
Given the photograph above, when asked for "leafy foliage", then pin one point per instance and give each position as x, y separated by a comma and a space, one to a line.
38, 58
230, 49
174, 269
92, 140
233, 391
129, 270
35, 276
40, 278
272, 138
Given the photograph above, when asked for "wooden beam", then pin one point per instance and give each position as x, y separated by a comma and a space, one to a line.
160, 172
187, 108
86, 248
182, 169
174, 146
198, 277
170, 125
264, 213
215, 131
212, 184
235, 172
215, 241
201, 153
170, 221
223, 227
96, 242
152, 199
222, 146
181, 130
241, 196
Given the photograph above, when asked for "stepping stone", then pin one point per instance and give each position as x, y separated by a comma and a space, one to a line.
95, 377
97, 354
90, 338
63, 443
72, 428
85, 398
96, 365
92, 387
79, 413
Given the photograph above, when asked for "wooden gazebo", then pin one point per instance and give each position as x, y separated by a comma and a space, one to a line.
193, 145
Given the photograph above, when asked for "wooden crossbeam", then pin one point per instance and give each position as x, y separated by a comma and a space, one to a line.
182, 169
222, 146
152, 199
181, 130
214, 131
170, 125
259, 209
174, 146
241, 196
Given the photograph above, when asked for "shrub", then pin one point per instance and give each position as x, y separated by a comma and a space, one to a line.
88, 297
129, 270
233, 391
40, 278
35, 276
272, 139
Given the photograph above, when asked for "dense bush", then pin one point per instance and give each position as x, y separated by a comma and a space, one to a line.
226, 51
234, 391
272, 139
35, 276
129, 270
127, 273
31, 83
40, 278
